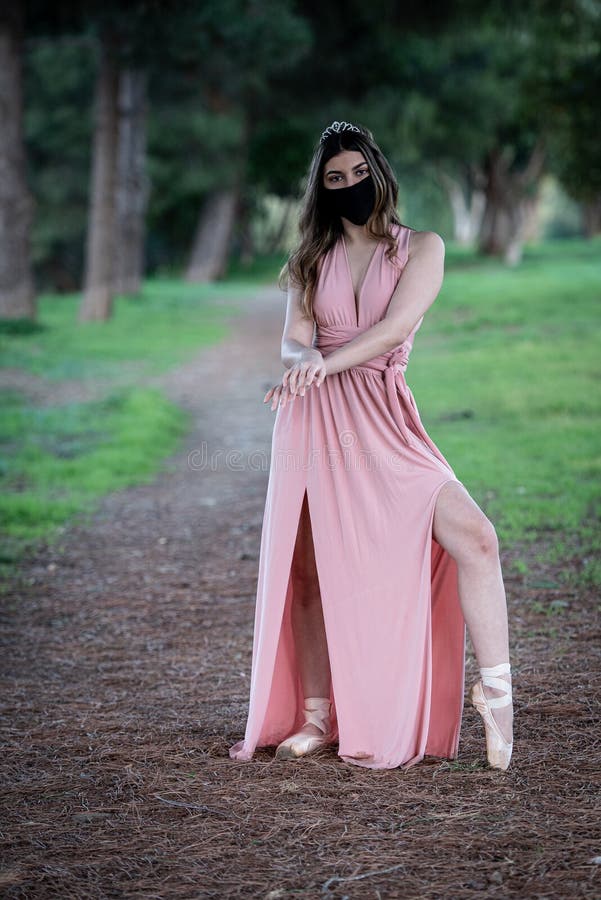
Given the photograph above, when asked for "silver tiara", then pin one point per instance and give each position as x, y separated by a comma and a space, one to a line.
337, 127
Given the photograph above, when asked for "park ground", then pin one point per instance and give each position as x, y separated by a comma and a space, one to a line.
127, 633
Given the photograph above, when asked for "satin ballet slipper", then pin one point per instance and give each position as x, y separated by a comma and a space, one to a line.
317, 712
498, 750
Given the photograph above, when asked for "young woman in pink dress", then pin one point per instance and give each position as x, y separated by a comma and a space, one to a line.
374, 557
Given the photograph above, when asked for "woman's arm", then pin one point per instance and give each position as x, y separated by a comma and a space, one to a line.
301, 359
418, 287
297, 337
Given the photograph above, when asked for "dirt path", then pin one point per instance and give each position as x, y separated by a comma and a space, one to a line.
126, 667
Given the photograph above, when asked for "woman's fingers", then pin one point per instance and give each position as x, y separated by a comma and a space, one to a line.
273, 394
301, 375
270, 393
313, 375
295, 374
305, 379
283, 392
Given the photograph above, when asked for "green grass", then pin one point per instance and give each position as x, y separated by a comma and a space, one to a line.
168, 322
56, 461
505, 371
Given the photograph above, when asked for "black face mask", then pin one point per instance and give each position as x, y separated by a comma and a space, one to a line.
355, 203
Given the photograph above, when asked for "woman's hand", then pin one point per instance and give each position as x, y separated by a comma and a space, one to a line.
279, 395
310, 370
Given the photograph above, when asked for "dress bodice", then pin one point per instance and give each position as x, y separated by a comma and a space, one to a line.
339, 318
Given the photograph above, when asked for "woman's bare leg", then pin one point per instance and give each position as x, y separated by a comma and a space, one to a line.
307, 616
462, 528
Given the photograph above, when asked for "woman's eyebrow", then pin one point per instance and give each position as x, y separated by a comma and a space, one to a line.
338, 172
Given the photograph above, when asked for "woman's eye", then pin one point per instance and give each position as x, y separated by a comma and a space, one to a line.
334, 178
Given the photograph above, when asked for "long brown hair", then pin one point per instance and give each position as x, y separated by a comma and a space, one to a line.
319, 231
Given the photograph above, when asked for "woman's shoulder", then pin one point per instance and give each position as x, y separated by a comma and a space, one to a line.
429, 241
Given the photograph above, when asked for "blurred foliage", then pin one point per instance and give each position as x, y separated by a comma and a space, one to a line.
58, 129
240, 91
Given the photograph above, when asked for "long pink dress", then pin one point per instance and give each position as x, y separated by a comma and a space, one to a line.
394, 626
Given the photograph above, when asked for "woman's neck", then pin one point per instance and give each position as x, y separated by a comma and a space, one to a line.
355, 235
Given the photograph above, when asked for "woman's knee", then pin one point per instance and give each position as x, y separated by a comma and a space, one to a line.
462, 527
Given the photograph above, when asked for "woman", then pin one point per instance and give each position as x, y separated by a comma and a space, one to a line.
374, 557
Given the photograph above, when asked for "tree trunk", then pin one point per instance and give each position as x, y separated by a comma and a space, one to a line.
467, 202
210, 250
17, 294
591, 217
275, 244
532, 209
132, 182
245, 235
216, 226
508, 204
98, 281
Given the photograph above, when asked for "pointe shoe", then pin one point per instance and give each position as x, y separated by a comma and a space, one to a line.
498, 749
317, 712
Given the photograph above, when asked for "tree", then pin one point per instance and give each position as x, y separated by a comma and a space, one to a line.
466, 118
132, 188
127, 39
17, 295
100, 250
570, 93
235, 50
